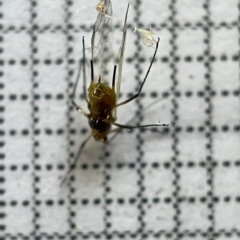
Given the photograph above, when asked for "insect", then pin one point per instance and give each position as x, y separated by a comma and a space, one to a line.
102, 100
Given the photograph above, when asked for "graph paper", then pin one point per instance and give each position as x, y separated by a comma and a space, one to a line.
176, 182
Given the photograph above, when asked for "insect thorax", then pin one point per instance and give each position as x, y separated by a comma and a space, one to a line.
102, 100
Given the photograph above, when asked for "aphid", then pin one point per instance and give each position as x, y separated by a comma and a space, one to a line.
102, 100
146, 36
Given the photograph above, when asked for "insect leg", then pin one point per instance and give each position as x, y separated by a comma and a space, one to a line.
81, 63
84, 71
141, 126
121, 127
140, 89
73, 165
78, 108
77, 79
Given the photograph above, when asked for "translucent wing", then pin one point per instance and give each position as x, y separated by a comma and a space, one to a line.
120, 58
100, 35
146, 37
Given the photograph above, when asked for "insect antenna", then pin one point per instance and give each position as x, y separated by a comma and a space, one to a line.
144, 80
114, 75
92, 71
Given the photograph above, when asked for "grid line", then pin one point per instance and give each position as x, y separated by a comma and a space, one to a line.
174, 122
71, 212
209, 109
34, 116
75, 29
134, 235
139, 139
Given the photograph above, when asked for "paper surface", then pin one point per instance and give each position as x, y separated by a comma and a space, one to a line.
176, 182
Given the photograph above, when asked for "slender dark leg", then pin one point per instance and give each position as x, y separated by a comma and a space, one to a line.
76, 83
81, 66
78, 108
73, 165
140, 89
113, 79
141, 126
84, 72
121, 127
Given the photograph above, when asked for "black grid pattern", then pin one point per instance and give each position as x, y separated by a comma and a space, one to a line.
181, 184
